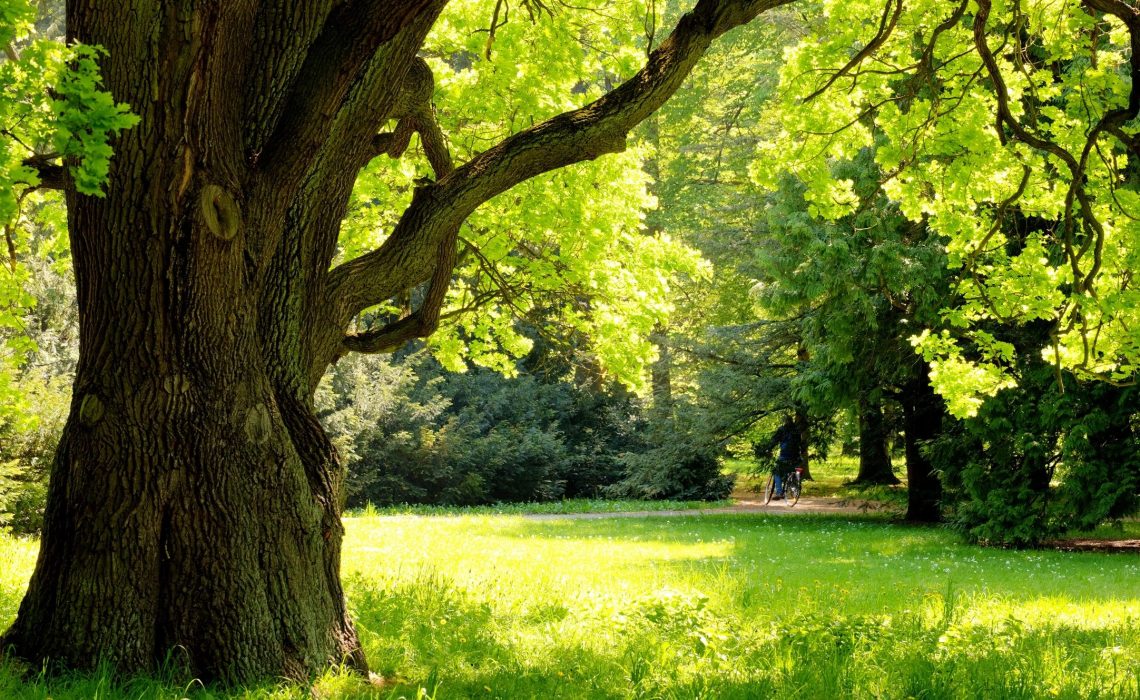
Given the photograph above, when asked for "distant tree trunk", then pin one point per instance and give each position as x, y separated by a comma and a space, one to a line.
803, 427
874, 458
802, 423
922, 421
661, 374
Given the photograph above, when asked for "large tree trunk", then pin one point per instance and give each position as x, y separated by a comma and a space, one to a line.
922, 417
194, 506
874, 458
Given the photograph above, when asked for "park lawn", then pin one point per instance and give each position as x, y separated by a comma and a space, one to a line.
690, 606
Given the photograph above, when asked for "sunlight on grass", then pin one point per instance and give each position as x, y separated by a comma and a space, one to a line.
17, 558
705, 606
570, 505
731, 596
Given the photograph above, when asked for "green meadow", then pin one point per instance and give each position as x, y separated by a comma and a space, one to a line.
691, 606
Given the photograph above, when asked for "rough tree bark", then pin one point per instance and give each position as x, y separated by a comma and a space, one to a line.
195, 501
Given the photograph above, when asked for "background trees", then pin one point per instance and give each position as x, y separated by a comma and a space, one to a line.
998, 128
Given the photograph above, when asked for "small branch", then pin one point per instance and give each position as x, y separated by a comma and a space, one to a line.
495, 24
1001, 94
886, 25
12, 261
999, 216
926, 63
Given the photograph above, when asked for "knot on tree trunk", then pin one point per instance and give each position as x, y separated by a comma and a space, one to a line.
220, 212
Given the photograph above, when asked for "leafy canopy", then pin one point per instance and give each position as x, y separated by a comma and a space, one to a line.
567, 251
1007, 128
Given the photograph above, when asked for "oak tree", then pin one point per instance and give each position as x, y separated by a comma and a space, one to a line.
195, 500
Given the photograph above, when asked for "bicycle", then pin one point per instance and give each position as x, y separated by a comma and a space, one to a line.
793, 485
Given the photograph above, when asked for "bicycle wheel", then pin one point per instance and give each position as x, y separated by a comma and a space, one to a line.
792, 490
769, 489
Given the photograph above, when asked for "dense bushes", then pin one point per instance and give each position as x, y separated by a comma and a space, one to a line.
680, 467
1037, 461
414, 434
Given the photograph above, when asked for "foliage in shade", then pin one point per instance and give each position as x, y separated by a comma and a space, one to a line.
1037, 461
413, 433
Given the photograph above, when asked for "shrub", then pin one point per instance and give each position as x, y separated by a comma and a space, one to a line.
414, 434
411, 433
1036, 462
682, 466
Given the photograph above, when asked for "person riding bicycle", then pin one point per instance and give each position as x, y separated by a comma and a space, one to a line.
788, 439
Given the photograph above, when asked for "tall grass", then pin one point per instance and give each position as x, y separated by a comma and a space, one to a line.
738, 606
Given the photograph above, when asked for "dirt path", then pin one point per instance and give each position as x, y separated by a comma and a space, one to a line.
806, 505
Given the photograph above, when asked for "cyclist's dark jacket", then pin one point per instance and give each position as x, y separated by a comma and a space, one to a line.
788, 438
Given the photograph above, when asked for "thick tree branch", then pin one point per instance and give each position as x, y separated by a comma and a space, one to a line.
423, 321
407, 257
51, 173
416, 114
313, 231
335, 62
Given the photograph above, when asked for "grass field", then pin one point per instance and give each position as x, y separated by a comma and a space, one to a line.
734, 606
